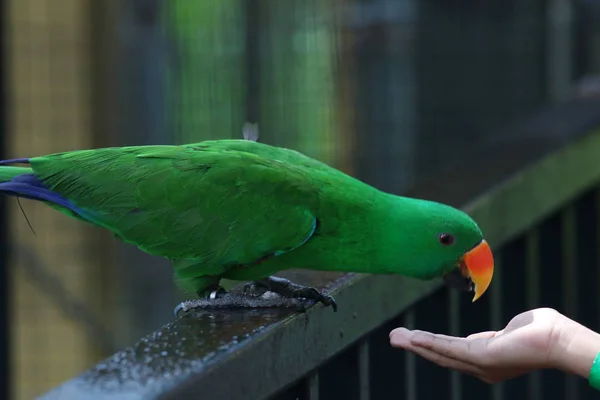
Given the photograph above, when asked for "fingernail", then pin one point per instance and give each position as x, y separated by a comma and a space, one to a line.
400, 337
399, 330
399, 341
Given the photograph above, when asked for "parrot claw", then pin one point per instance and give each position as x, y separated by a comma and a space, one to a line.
314, 295
302, 305
179, 308
286, 288
327, 301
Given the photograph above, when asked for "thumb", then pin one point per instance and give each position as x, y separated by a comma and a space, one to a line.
482, 335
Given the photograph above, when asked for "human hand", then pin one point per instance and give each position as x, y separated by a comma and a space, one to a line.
536, 339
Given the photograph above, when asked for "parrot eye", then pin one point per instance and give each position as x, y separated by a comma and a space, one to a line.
446, 239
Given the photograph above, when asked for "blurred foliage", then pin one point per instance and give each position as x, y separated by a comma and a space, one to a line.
209, 82
205, 80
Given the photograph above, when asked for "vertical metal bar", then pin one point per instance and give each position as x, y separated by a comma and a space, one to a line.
569, 271
496, 315
363, 370
252, 77
559, 64
313, 386
411, 367
532, 270
454, 329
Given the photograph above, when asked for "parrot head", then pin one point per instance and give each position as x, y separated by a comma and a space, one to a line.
450, 244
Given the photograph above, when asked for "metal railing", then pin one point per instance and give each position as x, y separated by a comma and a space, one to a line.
540, 210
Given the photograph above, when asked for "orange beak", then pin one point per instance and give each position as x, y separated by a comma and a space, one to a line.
478, 265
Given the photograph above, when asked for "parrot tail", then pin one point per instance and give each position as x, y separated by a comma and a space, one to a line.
22, 182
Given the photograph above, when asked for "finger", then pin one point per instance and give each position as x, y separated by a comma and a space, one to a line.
457, 348
405, 332
479, 335
399, 331
440, 335
450, 347
447, 362
400, 337
482, 335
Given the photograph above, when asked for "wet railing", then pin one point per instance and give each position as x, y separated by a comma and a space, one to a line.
537, 199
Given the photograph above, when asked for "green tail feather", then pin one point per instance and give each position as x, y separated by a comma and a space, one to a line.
8, 173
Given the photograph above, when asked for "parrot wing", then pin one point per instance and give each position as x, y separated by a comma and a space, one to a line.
221, 209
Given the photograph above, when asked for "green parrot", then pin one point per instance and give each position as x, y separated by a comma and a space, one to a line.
243, 210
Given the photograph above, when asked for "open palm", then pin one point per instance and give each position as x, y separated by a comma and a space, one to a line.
524, 345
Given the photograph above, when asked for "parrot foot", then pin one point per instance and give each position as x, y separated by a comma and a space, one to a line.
257, 289
288, 289
254, 289
239, 300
